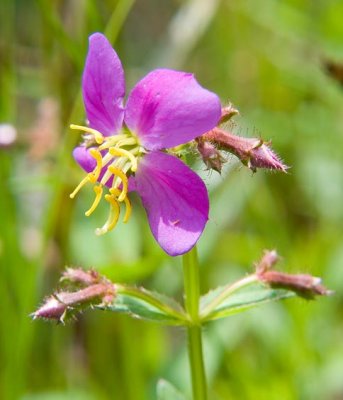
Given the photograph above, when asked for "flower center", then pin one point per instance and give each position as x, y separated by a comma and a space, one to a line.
116, 158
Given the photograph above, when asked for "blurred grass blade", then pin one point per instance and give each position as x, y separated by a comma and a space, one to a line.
166, 391
117, 19
52, 20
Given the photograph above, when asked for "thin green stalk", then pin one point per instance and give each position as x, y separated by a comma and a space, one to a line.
192, 296
228, 291
147, 297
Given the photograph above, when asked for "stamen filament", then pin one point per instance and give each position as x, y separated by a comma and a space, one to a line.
128, 208
123, 177
98, 194
99, 163
97, 135
112, 162
124, 153
113, 216
127, 142
113, 141
85, 180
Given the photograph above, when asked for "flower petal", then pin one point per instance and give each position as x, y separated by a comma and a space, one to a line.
175, 199
84, 159
167, 108
103, 86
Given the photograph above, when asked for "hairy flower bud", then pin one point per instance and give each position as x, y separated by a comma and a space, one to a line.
210, 155
253, 152
268, 260
303, 285
62, 305
78, 275
227, 113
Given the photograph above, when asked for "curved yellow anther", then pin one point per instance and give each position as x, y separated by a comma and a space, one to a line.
98, 194
97, 135
113, 216
118, 172
86, 179
98, 158
128, 208
124, 153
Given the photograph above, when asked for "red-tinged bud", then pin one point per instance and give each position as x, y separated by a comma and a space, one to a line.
268, 260
210, 155
52, 309
303, 285
63, 305
80, 276
227, 113
253, 152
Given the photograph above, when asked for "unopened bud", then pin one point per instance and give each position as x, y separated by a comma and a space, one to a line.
78, 275
52, 309
227, 113
210, 155
268, 260
303, 285
252, 152
65, 304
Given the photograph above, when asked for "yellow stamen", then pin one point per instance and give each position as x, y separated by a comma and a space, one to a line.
113, 216
124, 153
127, 141
86, 179
99, 163
123, 177
116, 140
98, 194
128, 208
97, 135
116, 163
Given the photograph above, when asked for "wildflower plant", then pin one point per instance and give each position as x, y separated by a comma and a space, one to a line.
137, 148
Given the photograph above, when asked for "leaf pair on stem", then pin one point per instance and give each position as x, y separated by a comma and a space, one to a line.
88, 289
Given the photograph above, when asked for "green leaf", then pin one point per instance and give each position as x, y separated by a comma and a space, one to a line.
151, 306
251, 297
166, 391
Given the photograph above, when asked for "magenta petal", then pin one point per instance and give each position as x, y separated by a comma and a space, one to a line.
175, 199
167, 108
103, 86
84, 159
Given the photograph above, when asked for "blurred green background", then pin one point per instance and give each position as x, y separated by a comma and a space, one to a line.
270, 58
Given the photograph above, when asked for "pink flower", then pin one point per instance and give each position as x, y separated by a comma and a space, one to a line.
124, 148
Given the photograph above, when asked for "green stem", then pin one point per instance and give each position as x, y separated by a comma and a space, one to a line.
192, 296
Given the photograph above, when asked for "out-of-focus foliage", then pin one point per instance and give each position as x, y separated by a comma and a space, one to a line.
270, 58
